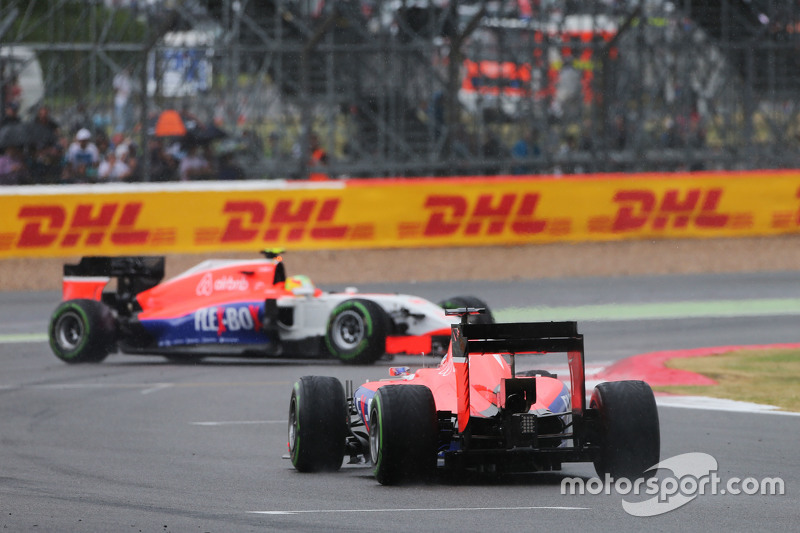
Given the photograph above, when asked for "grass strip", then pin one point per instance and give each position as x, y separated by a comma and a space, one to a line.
769, 377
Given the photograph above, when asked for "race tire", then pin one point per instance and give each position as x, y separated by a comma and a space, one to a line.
82, 331
627, 431
356, 332
317, 424
469, 301
403, 434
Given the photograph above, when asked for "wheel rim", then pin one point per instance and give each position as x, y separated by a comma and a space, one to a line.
374, 437
348, 330
69, 331
293, 425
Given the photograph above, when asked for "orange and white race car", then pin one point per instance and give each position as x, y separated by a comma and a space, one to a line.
224, 307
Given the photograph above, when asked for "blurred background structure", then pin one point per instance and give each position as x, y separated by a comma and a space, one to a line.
375, 88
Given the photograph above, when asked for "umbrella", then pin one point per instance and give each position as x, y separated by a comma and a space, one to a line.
26, 134
205, 134
170, 124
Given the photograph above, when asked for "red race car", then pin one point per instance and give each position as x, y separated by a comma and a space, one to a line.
236, 308
473, 412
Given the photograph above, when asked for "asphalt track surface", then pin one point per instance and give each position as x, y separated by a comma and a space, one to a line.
139, 444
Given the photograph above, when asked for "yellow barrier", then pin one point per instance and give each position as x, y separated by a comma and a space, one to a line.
243, 216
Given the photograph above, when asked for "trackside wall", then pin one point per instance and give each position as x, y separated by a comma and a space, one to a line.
65, 221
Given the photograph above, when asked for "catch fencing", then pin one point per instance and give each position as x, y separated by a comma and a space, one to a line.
437, 88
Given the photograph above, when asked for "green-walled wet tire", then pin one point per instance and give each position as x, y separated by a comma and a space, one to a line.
356, 332
82, 331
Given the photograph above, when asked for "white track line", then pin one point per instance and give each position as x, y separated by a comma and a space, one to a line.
237, 422
718, 404
157, 387
418, 510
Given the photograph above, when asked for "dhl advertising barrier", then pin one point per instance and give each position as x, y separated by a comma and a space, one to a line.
379, 213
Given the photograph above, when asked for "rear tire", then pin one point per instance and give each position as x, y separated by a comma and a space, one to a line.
469, 301
403, 434
82, 331
356, 332
317, 424
628, 430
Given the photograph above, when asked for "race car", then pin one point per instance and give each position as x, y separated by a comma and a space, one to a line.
236, 308
474, 413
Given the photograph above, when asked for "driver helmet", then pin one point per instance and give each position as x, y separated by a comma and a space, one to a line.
299, 284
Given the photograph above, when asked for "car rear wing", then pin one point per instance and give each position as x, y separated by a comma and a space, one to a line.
531, 337
134, 274
514, 338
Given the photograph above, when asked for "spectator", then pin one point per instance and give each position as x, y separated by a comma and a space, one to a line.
10, 114
253, 141
281, 160
193, 165
586, 139
526, 149
131, 158
114, 168
43, 118
163, 166
228, 169
47, 163
82, 159
123, 87
564, 157
492, 151
13, 170
318, 159
13, 92
81, 119
103, 144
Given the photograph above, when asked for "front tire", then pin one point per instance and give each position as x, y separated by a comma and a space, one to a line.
356, 332
82, 331
628, 430
317, 424
403, 434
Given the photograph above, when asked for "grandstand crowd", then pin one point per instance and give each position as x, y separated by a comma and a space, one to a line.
43, 151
